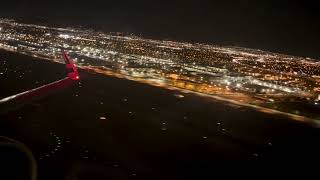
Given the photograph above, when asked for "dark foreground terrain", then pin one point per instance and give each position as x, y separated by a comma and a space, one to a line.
104, 127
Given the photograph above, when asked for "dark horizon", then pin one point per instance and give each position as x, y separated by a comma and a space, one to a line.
288, 27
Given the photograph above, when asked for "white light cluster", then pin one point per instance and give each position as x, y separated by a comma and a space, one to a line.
65, 36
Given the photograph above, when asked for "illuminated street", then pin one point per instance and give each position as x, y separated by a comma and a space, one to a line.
268, 82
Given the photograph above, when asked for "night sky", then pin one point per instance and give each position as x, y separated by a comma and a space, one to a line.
290, 26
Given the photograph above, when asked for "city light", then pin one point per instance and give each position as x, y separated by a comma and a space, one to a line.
65, 36
241, 74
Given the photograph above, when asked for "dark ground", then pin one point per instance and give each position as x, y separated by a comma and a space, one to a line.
148, 131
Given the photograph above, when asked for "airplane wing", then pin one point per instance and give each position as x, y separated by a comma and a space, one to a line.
16, 100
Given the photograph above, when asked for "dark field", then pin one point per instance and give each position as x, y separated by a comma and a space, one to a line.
104, 127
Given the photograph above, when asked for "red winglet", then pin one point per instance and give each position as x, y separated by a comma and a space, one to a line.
74, 75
